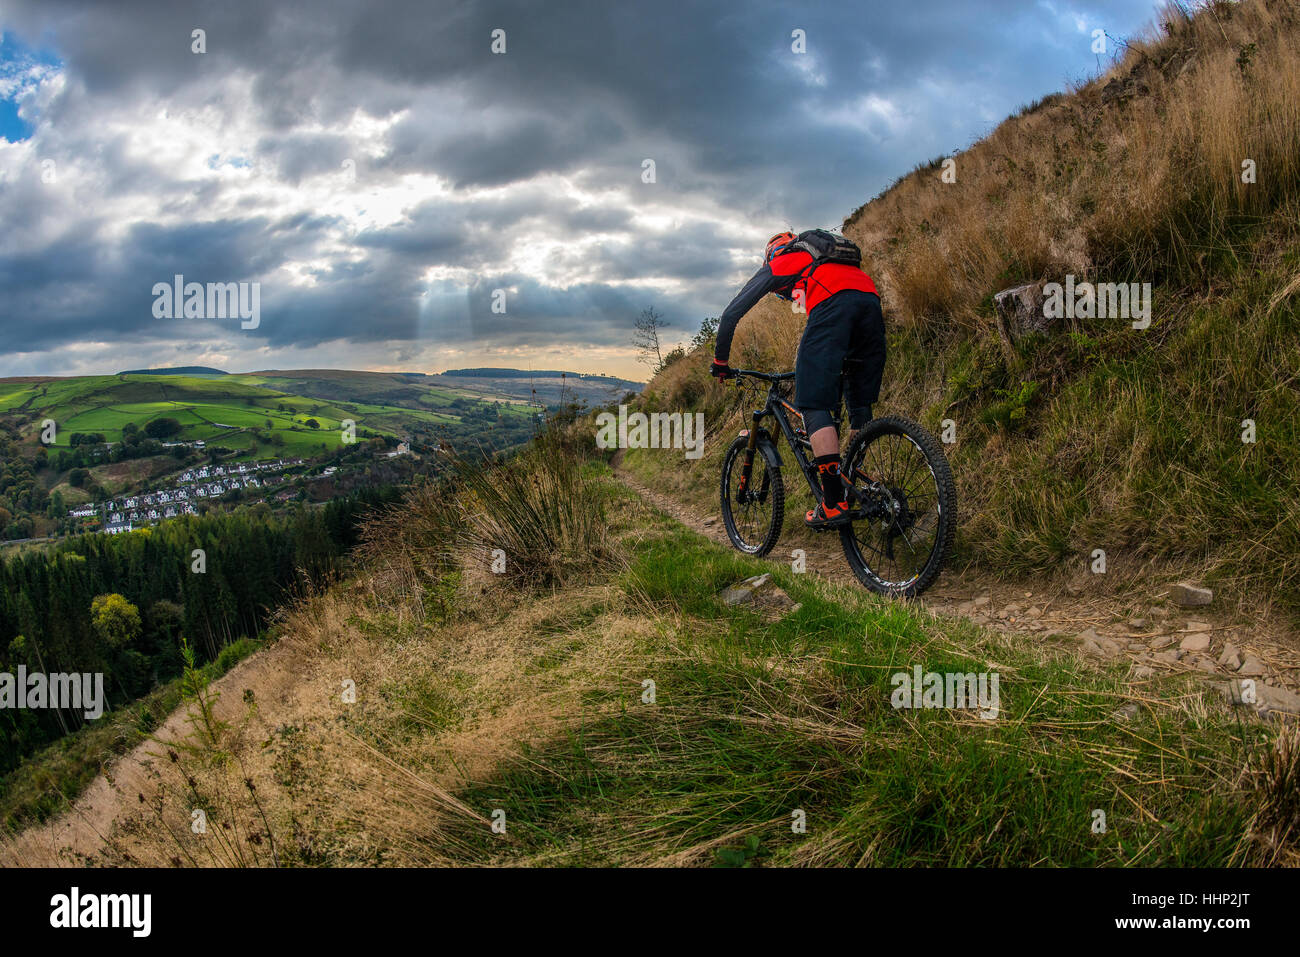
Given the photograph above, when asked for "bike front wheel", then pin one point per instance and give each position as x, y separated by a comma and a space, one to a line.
753, 497
907, 502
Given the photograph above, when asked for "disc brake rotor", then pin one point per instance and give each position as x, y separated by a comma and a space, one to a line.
898, 520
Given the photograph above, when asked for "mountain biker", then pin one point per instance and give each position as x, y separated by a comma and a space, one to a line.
845, 331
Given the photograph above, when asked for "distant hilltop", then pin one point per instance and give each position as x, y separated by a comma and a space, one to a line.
175, 370
492, 373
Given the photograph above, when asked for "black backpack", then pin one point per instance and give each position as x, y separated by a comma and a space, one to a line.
826, 247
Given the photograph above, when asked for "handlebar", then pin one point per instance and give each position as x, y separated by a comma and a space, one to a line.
765, 376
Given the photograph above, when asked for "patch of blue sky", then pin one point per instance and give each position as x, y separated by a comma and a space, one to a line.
22, 68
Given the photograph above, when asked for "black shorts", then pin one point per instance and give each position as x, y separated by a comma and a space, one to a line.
844, 333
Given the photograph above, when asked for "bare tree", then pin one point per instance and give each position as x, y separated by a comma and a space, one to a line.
645, 338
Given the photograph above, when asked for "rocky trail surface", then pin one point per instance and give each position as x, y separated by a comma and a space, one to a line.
1151, 631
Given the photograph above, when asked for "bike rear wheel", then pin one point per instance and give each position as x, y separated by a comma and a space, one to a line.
753, 504
905, 489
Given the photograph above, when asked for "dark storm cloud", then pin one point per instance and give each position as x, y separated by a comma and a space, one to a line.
712, 92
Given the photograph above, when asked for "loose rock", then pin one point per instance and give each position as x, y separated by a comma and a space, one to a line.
1190, 596
1098, 645
1279, 700
1251, 666
761, 593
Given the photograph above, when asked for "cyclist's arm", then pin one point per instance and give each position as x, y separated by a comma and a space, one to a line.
759, 286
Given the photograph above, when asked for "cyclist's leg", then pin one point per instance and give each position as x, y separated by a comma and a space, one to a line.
817, 368
865, 362
821, 355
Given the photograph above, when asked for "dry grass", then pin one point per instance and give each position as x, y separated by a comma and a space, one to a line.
1134, 175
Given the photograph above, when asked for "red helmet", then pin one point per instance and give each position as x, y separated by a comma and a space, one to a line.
775, 244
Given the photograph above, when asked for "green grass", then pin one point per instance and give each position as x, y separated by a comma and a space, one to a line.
1134, 444
756, 720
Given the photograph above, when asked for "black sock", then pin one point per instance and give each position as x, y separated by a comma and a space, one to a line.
828, 467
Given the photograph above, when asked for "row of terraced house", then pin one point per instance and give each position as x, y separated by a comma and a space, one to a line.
207, 481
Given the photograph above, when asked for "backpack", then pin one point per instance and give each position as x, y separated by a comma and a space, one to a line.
826, 247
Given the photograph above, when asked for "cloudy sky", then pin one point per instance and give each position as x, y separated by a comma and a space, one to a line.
380, 172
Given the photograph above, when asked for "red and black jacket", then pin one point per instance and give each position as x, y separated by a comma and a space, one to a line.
785, 276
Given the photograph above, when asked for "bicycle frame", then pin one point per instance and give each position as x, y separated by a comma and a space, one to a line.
777, 407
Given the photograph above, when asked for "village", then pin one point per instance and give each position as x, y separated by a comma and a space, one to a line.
201, 482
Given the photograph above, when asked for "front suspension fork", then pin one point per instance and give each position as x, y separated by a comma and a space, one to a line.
747, 469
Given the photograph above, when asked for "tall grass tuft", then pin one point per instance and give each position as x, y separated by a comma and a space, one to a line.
538, 514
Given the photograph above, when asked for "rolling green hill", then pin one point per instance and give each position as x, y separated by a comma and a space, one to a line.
225, 409
129, 432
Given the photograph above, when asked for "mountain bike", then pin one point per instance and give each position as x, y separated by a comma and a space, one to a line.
901, 492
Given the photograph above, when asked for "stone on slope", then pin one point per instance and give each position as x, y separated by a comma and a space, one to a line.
1231, 657
1190, 596
1018, 311
1266, 699
762, 594
1279, 700
1251, 666
1097, 645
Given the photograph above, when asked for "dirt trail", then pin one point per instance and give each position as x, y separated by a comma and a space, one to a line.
1157, 636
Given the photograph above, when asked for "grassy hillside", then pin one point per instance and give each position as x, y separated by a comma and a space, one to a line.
222, 408
1094, 434
237, 417
375, 388
527, 694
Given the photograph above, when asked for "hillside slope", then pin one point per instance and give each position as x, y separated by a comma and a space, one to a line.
1174, 448
602, 705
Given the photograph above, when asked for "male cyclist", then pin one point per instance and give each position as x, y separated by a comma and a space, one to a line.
845, 331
